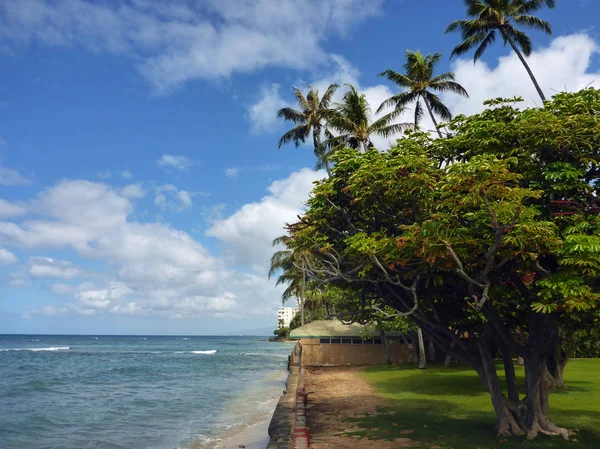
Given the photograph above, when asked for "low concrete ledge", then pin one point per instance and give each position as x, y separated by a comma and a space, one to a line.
281, 428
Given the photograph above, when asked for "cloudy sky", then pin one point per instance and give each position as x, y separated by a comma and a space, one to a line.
140, 180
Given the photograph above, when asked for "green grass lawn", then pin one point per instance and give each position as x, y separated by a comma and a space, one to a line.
450, 408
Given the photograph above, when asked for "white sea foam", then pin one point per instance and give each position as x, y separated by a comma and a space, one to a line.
212, 351
51, 348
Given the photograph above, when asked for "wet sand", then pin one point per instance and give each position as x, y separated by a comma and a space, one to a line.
253, 437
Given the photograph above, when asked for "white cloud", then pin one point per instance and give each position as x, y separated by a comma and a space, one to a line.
126, 174
133, 191
10, 177
177, 42
563, 65
249, 232
232, 172
263, 114
177, 162
46, 267
152, 268
61, 289
169, 197
7, 258
8, 209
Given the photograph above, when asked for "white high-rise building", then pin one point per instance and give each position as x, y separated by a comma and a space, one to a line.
285, 316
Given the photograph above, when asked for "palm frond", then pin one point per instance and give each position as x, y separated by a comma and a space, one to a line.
522, 40
535, 23
450, 86
291, 115
418, 113
468, 44
302, 101
327, 96
474, 7
436, 105
487, 41
529, 6
297, 135
398, 101
398, 78
448, 76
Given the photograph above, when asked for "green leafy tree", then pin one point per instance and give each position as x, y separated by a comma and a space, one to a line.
421, 83
499, 251
492, 17
309, 118
352, 119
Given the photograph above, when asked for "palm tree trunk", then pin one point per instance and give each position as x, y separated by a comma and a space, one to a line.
317, 149
520, 55
433, 119
302, 298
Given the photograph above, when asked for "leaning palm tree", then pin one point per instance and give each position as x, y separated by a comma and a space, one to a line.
490, 17
288, 262
309, 118
352, 120
420, 82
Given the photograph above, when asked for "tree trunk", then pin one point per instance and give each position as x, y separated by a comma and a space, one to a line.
320, 152
506, 422
431, 350
557, 361
433, 118
509, 373
535, 410
386, 349
421, 344
302, 298
448, 358
520, 55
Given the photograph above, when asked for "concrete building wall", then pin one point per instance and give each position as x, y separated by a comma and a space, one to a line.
285, 316
331, 354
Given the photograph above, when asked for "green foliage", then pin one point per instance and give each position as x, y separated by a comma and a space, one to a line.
421, 83
449, 408
296, 322
490, 17
282, 332
352, 119
491, 235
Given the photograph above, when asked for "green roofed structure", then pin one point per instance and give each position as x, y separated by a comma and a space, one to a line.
333, 343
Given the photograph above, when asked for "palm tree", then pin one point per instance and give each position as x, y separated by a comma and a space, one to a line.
352, 119
420, 81
288, 261
309, 118
490, 17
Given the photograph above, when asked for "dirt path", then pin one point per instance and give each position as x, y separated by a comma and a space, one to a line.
338, 394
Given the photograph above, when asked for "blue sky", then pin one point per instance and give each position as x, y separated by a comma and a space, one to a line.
140, 180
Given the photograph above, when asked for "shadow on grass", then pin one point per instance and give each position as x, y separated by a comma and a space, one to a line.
450, 408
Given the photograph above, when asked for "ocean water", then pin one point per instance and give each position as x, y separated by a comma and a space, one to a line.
134, 392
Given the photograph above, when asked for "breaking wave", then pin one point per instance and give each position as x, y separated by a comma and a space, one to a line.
51, 348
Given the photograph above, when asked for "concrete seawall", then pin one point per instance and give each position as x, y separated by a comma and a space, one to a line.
283, 423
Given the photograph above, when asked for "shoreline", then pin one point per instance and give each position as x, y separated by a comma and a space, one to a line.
255, 436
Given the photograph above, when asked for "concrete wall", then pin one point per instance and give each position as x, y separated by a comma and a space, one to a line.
327, 354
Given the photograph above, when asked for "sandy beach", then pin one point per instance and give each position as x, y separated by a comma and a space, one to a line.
253, 437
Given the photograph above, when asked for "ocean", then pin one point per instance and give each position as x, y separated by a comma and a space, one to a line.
135, 392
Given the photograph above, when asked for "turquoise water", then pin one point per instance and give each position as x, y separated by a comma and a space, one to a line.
108, 392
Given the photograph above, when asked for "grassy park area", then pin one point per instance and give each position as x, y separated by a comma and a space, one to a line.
450, 408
